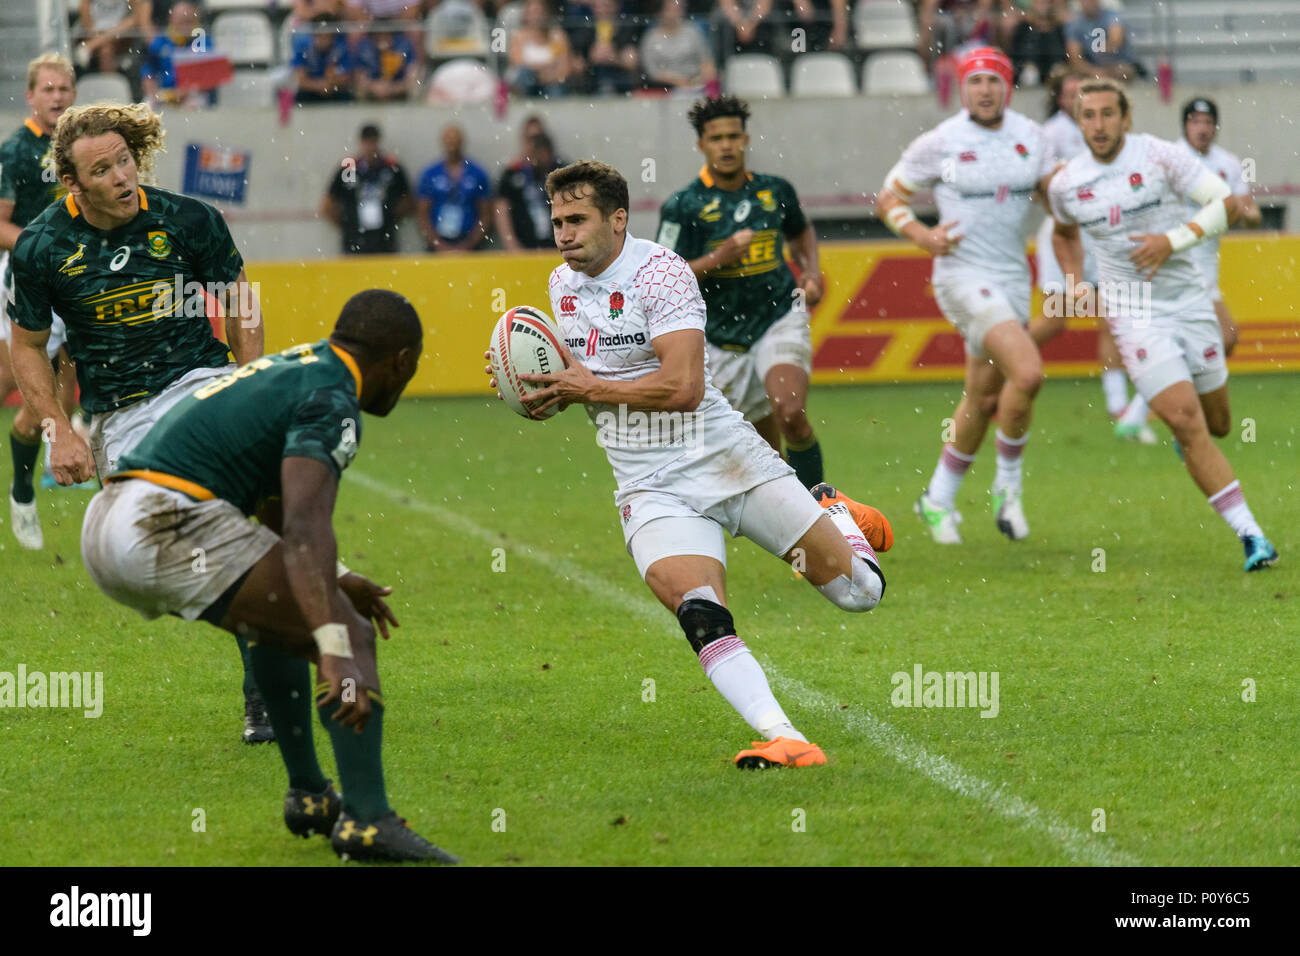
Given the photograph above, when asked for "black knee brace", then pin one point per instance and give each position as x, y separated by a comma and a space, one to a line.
704, 622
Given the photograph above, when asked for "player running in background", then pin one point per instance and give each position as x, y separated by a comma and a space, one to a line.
27, 185
732, 225
273, 438
700, 469
127, 267
985, 165
1067, 142
1128, 192
1200, 125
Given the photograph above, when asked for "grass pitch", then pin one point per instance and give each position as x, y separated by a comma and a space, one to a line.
543, 709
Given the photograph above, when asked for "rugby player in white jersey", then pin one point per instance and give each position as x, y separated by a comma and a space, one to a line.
1067, 142
1128, 192
1200, 125
688, 466
985, 165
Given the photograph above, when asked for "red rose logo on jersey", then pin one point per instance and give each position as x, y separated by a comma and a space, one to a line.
1135, 181
568, 304
1021, 151
1142, 355
615, 305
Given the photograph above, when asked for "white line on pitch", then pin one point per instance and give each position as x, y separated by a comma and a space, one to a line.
939, 769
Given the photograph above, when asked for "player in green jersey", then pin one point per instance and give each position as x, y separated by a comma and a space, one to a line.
129, 268
272, 439
733, 226
27, 186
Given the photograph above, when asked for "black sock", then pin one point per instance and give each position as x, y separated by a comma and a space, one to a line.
250, 682
25, 452
360, 762
285, 683
806, 462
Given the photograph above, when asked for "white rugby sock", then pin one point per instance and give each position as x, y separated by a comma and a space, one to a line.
1136, 413
1009, 452
1231, 505
947, 477
1114, 385
737, 676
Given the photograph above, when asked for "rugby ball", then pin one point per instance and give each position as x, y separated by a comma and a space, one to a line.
525, 341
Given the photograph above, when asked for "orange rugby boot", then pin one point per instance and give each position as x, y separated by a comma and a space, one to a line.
781, 752
875, 526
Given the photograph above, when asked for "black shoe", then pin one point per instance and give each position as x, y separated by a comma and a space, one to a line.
387, 839
257, 725
306, 813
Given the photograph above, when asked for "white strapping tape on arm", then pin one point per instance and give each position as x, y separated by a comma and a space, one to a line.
1210, 191
332, 639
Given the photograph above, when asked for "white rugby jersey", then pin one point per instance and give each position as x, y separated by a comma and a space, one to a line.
1227, 167
1063, 135
608, 322
984, 179
1140, 191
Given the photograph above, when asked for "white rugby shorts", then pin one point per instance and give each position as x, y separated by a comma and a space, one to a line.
739, 375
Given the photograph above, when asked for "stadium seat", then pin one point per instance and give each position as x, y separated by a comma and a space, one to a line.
753, 74
884, 24
822, 74
95, 87
899, 71
245, 36
249, 88
456, 28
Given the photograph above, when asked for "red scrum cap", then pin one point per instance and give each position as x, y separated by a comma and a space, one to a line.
986, 59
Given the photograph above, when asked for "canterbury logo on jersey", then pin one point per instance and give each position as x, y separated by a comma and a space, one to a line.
594, 341
132, 304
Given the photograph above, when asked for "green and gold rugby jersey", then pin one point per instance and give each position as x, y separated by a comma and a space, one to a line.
227, 439
744, 299
27, 177
131, 296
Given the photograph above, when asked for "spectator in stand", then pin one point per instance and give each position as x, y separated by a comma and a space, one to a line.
825, 23
1098, 39
386, 63
107, 29
944, 26
540, 60
367, 10
322, 63
368, 196
1038, 41
674, 55
749, 25
158, 72
454, 200
523, 210
605, 45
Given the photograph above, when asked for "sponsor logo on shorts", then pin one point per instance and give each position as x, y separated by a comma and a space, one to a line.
627, 513
1142, 355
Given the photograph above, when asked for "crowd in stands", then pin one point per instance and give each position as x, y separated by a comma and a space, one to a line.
456, 205
344, 50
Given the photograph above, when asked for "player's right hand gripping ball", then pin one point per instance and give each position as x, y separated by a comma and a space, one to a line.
526, 341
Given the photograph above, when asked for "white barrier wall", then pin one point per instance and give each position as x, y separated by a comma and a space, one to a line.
835, 151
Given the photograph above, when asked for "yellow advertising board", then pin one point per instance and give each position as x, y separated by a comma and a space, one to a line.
877, 323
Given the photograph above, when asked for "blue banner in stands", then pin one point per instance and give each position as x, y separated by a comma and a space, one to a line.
215, 172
